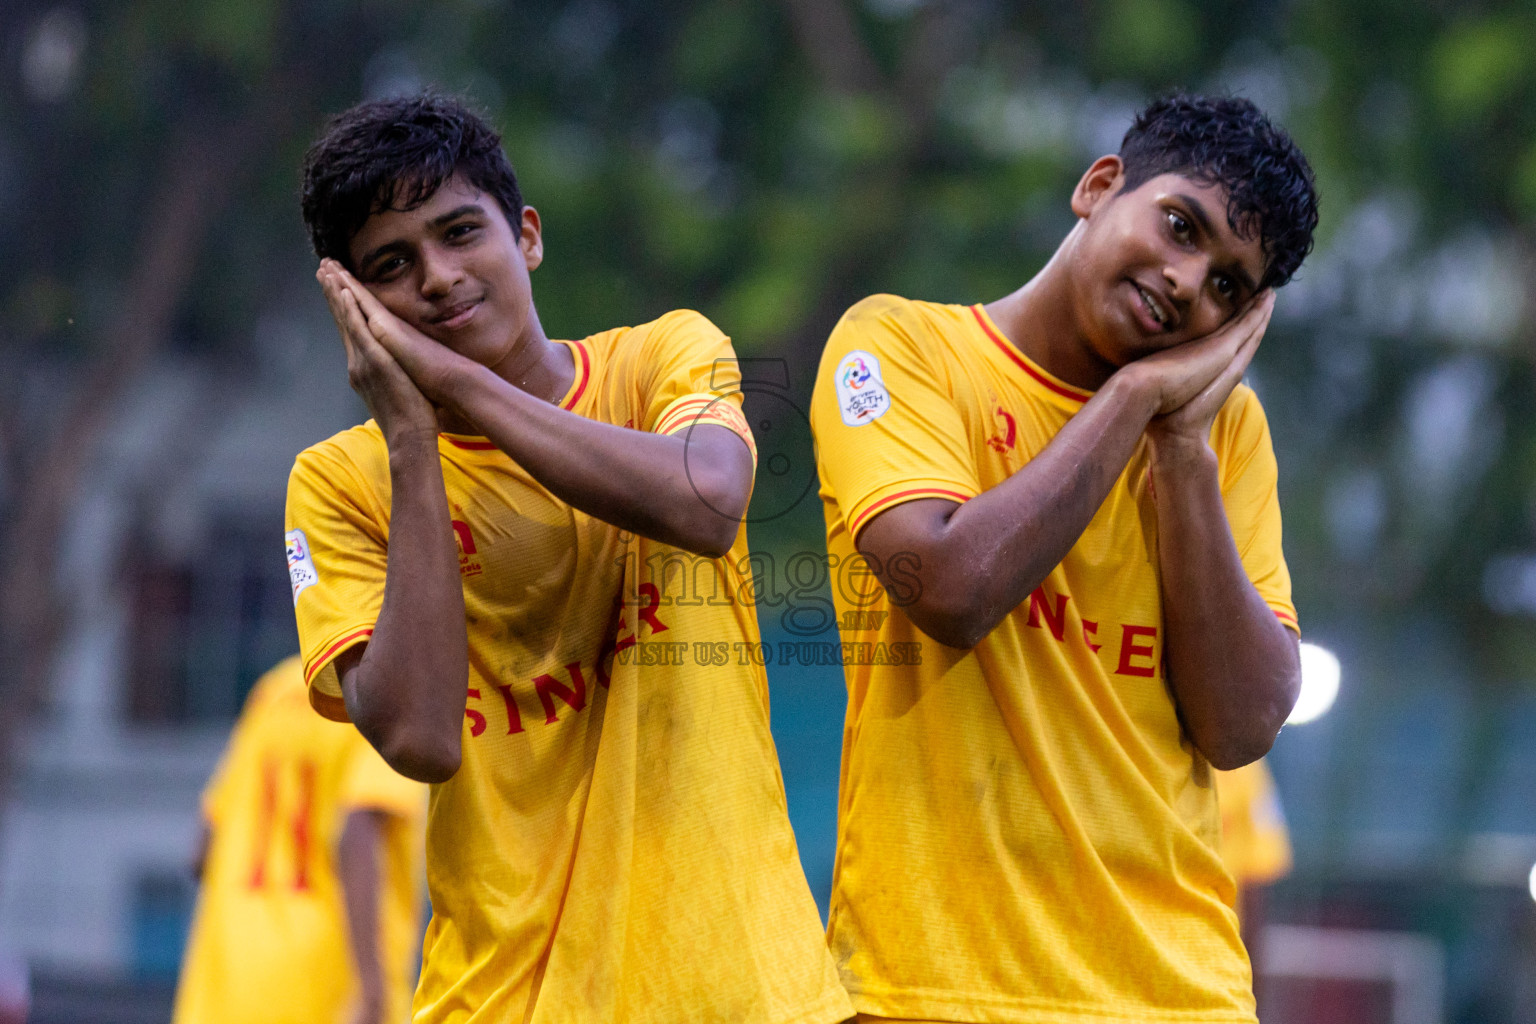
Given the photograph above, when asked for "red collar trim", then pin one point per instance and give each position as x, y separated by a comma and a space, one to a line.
470, 446
1018, 360
583, 374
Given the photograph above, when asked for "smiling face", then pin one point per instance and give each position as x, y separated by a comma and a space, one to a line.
1156, 265
454, 269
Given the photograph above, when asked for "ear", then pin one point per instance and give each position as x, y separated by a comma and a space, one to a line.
532, 239
1098, 183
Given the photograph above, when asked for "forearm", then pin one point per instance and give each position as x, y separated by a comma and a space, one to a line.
688, 491
358, 857
406, 692
998, 547
1232, 665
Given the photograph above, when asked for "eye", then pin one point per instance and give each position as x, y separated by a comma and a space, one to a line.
1225, 286
460, 231
1178, 225
384, 269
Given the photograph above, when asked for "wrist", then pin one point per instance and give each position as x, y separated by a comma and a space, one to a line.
1132, 386
1180, 453
411, 447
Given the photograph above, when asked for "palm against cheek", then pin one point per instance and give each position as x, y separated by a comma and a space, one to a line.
395, 402
413, 350
1235, 342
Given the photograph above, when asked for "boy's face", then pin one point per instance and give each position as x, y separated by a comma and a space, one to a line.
1157, 265
454, 269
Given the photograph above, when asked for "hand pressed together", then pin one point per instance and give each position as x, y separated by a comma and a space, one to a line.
389, 392
1191, 422
1198, 376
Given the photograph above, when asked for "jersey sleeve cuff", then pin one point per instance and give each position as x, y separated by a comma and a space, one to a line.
1287, 617
699, 408
320, 673
860, 514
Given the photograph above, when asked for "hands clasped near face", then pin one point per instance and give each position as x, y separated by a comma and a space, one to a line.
1195, 379
389, 363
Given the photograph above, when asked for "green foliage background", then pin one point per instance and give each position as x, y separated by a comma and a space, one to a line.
769, 163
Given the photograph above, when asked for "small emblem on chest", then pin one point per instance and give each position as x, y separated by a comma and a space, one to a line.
1007, 435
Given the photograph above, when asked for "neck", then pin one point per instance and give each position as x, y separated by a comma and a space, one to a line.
536, 365
1040, 320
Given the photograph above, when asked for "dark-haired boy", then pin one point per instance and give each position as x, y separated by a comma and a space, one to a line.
1069, 491
608, 838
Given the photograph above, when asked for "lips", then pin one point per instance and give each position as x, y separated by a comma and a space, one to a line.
458, 314
1156, 312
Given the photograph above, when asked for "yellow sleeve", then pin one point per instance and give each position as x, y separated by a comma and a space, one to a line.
691, 377
370, 784
337, 543
886, 426
1249, 490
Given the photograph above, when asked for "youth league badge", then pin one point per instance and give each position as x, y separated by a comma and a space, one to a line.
301, 569
861, 394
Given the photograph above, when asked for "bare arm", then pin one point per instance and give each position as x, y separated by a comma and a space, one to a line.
357, 856
405, 688
689, 490
976, 562
1234, 668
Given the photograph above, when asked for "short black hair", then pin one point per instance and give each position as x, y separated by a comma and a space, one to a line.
393, 154
1227, 141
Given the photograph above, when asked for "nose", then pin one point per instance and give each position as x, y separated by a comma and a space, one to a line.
1185, 275
439, 273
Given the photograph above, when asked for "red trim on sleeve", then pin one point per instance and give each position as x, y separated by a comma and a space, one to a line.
1027, 367
319, 663
891, 499
680, 411
1285, 617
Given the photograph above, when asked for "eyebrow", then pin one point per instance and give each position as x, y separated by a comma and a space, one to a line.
1197, 210
436, 222
456, 213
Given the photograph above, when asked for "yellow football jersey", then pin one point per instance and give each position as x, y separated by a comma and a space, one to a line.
269, 941
1024, 833
614, 846
1255, 844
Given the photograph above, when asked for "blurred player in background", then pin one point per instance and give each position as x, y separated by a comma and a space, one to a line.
483, 591
1255, 846
1070, 502
311, 874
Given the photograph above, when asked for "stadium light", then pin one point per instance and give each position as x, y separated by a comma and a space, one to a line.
1320, 674
1533, 881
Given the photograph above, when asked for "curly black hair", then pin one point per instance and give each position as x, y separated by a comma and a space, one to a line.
1227, 141
393, 154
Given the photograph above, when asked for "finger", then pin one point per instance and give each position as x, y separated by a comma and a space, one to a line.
1262, 307
1243, 357
357, 326
382, 324
333, 299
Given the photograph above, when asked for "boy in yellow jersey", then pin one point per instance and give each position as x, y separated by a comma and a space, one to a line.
310, 871
481, 583
1069, 502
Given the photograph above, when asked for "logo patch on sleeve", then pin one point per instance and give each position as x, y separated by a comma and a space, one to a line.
861, 394
301, 568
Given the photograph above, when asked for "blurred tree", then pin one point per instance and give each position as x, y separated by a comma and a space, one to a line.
770, 162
